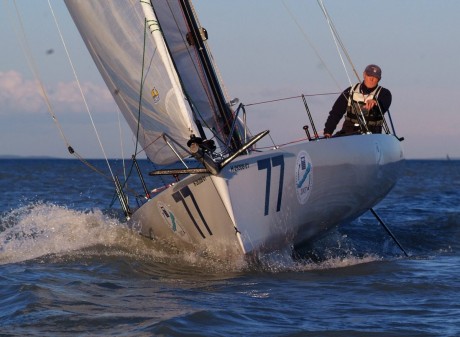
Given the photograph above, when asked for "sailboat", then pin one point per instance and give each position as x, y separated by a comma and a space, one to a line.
229, 198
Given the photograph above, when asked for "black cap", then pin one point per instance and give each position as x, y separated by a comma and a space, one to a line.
373, 70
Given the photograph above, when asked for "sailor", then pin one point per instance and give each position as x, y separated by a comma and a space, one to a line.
366, 100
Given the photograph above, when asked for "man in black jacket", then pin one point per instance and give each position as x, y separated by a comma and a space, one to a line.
366, 101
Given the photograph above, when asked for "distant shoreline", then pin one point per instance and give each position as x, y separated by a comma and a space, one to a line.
27, 157
9, 157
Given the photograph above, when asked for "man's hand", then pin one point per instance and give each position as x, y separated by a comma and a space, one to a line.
370, 104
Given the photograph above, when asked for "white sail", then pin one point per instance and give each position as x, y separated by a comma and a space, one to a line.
193, 78
130, 56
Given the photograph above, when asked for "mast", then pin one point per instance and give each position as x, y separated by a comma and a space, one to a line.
198, 42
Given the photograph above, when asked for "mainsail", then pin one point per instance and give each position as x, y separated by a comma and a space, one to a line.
150, 68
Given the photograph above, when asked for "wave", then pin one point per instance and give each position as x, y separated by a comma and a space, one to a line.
40, 229
56, 233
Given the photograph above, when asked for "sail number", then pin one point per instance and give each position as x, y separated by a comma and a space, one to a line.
263, 164
268, 164
183, 194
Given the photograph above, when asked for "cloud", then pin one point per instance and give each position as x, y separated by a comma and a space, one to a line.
21, 95
68, 96
18, 94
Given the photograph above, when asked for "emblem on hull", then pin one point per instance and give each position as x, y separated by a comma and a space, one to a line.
173, 223
303, 176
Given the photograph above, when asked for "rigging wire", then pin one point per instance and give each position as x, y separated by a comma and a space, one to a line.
139, 111
338, 42
292, 97
141, 88
340, 46
90, 115
32, 65
310, 43
81, 90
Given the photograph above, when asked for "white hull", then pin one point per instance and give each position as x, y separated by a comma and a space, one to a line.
274, 199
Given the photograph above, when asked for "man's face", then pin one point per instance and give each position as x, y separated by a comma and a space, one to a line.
370, 81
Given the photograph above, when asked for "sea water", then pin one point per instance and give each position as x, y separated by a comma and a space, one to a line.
70, 266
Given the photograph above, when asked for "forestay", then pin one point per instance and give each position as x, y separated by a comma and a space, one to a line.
126, 44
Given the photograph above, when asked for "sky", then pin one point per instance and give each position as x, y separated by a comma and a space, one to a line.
265, 50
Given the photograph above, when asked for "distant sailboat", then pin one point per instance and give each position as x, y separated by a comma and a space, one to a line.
155, 60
